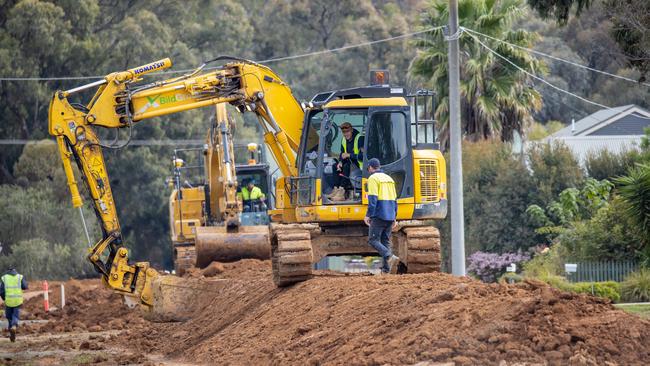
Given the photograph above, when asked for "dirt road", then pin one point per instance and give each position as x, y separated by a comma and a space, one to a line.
359, 320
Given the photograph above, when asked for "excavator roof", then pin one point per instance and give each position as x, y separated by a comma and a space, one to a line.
367, 102
366, 92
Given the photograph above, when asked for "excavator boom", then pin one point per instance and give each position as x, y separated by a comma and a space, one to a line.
120, 101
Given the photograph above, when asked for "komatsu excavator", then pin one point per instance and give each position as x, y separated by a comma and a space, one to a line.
207, 220
304, 140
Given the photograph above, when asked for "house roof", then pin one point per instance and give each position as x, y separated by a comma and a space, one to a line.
600, 119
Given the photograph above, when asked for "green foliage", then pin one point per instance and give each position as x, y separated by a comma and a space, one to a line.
627, 23
609, 289
636, 287
634, 190
39, 259
559, 9
607, 165
608, 235
537, 131
549, 262
554, 168
497, 188
588, 223
496, 100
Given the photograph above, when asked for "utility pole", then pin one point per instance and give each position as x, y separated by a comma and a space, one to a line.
455, 130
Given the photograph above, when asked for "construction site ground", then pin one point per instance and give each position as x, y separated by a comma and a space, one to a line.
238, 317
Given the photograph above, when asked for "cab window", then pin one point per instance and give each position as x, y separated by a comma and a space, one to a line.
386, 137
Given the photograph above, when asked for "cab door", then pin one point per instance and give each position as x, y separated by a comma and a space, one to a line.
388, 138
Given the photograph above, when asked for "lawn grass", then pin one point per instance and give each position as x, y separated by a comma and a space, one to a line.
640, 310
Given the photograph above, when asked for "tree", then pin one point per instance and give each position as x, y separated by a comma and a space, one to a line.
630, 19
559, 9
496, 98
635, 192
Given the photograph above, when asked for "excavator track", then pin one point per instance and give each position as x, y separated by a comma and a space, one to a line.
291, 257
422, 250
184, 258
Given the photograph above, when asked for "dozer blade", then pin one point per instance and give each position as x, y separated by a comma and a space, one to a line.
216, 243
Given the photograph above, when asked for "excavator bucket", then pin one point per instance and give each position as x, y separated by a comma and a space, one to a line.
217, 243
176, 299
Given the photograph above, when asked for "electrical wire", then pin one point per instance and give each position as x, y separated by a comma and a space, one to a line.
556, 58
543, 80
275, 59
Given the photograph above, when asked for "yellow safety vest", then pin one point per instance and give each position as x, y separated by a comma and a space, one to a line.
344, 146
254, 194
13, 290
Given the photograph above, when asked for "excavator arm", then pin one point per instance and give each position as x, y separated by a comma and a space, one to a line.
121, 100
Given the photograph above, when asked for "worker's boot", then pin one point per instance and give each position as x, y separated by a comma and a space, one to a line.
332, 193
339, 195
12, 333
393, 263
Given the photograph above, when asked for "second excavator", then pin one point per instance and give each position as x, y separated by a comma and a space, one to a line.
208, 220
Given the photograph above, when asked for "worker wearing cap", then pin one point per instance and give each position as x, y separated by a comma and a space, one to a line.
252, 196
12, 285
381, 214
351, 151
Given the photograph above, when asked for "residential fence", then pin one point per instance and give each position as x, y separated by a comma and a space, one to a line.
602, 271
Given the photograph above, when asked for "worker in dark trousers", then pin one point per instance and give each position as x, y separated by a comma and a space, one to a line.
381, 214
12, 285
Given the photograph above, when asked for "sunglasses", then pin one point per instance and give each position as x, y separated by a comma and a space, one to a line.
345, 128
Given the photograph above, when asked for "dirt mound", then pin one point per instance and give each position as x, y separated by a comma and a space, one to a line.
364, 320
401, 320
89, 307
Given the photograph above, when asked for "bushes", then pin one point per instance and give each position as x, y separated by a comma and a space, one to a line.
607, 165
609, 289
38, 259
549, 262
636, 287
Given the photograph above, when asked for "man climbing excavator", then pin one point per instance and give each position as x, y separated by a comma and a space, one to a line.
208, 221
304, 141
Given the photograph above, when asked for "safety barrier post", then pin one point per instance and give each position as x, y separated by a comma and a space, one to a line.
62, 296
46, 296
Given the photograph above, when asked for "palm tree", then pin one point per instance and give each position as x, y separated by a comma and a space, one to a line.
496, 98
634, 189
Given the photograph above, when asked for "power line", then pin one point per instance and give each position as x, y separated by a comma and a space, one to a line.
543, 80
276, 59
557, 58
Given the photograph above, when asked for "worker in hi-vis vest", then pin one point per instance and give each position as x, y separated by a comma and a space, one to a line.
253, 199
351, 152
381, 214
12, 285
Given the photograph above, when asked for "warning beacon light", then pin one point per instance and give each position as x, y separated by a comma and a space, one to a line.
379, 77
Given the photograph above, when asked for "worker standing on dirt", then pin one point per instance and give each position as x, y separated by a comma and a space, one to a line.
12, 285
252, 197
381, 214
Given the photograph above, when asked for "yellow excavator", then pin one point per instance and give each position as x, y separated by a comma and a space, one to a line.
305, 141
207, 219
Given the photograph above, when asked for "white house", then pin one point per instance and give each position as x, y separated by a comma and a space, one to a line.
616, 129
